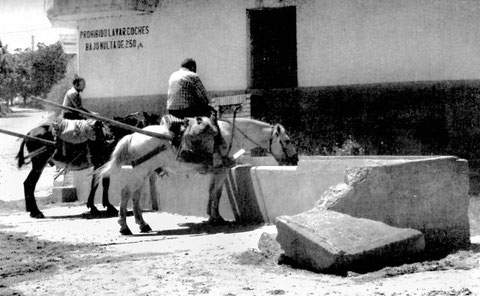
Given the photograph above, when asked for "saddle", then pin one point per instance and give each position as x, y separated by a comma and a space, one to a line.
72, 137
74, 131
193, 138
198, 140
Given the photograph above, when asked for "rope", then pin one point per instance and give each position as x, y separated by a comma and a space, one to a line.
233, 128
69, 164
245, 135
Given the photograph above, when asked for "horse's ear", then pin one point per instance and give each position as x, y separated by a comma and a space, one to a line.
277, 129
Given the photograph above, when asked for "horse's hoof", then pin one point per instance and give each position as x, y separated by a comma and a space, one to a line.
37, 215
125, 231
112, 211
94, 211
145, 228
216, 221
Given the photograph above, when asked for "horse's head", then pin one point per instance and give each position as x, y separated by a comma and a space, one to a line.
281, 146
101, 130
132, 119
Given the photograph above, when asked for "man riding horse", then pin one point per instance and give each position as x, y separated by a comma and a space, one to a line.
187, 97
73, 99
75, 126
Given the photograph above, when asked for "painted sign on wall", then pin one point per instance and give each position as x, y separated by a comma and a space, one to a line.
113, 38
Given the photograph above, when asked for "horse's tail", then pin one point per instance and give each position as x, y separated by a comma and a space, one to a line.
120, 155
20, 157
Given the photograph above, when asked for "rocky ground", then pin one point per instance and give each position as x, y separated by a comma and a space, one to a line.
72, 253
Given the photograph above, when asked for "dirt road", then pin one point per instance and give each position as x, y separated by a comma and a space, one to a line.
68, 253
21, 120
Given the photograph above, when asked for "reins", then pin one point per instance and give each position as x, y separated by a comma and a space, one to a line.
235, 128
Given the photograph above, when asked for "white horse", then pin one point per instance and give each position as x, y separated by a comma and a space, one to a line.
242, 133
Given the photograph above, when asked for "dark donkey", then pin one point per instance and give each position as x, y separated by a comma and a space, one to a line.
100, 149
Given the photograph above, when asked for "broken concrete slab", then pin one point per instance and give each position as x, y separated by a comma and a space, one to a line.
430, 196
269, 247
332, 242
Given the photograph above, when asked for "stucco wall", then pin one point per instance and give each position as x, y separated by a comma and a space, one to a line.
338, 42
349, 42
212, 32
116, 72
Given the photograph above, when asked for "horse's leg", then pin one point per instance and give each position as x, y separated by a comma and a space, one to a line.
214, 195
38, 160
137, 211
111, 210
152, 182
91, 197
29, 190
122, 217
30, 183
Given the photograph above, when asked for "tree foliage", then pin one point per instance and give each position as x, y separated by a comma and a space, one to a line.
32, 73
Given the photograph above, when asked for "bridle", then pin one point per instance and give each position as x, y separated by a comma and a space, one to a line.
234, 128
270, 142
282, 144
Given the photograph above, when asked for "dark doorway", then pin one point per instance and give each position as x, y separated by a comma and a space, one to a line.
273, 47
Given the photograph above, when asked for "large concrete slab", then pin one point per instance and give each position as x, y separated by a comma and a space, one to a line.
262, 191
427, 195
328, 241
292, 190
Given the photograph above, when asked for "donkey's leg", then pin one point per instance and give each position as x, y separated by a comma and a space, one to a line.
29, 191
214, 195
122, 218
111, 210
137, 211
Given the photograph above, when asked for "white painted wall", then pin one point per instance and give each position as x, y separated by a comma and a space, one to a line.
338, 42
116, 72
213, 34
370, 41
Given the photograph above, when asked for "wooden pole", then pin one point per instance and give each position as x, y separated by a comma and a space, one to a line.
27, 137
110, 121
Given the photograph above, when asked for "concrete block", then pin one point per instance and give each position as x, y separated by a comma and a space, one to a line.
64, 194
242, 196
63, 189
82, 180
428, 195
328, 241
188, 195
292, 190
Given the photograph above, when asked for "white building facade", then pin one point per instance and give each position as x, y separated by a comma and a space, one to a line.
128, 48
